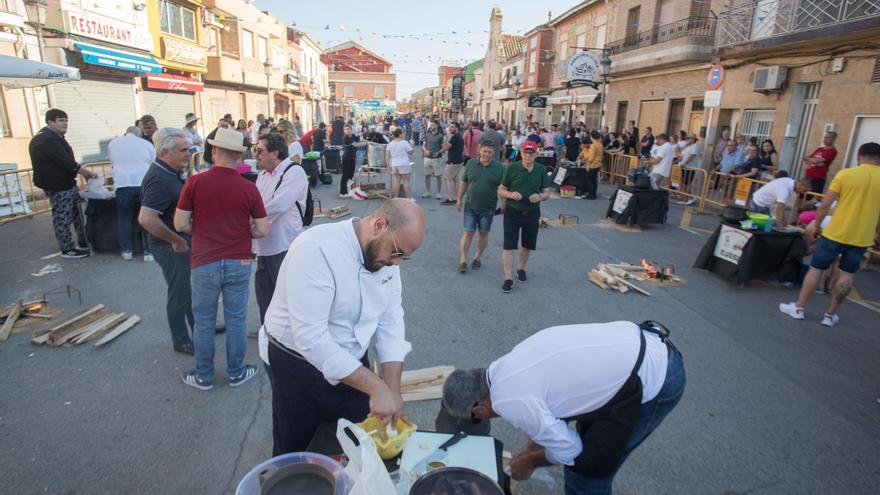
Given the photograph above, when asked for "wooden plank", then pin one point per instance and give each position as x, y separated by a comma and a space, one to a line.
597, 279
87, 336
6, 329
626, 266
79, 332
75, 318
429, 393
26, 324
633, 287
116, 332
75, 327
413, 377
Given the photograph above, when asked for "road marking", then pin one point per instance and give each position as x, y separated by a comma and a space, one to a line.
857, 298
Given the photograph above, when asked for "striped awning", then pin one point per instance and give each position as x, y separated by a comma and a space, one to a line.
118, 59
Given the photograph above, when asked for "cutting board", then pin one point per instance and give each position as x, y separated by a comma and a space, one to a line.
474, 452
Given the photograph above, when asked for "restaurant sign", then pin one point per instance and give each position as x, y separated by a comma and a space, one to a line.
582, 68
99, 27
730, 244
185, 53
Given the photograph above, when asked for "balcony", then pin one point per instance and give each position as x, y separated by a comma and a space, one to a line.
702, 28
688, 40
244, 72
769, 23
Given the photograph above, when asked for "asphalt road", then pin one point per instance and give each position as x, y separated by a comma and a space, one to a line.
772, 405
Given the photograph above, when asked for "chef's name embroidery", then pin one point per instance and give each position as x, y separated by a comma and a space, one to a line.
387, 279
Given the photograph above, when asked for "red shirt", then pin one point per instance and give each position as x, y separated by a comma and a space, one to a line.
222, 203
821, 171
306, 140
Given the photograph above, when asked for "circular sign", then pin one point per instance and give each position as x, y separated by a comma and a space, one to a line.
716, 76
582, 66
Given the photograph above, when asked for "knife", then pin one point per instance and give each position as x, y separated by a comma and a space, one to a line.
439, 453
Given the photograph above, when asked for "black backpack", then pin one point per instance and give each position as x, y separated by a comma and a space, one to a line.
309, 214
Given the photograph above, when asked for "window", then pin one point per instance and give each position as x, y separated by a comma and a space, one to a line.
348, 91
532, 62
581, 40
378, 92
213, 42
757, 123
600, 36
534, 42
262, 49
4, 119
247, 43
177, 20
563, 50
632, 21
875, 76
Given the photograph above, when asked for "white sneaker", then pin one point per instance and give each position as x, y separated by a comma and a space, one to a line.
127, 256
344, 196
148, 258
412, 199
830, 320
690, 201
437, 196
426, 195
792, 310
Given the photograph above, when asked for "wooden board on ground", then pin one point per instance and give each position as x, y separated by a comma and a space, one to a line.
72, 324
68, 336
30, 322
95, 332
424, 384
427, 393
335, 212
11, 318
124, 327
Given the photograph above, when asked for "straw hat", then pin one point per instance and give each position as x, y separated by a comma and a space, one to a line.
190, 118
228, 139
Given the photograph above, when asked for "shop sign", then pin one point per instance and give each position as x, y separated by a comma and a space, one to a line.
582, 68
107, 29
741, 194
730, 244
712, 98
621, 201
537, 102
185, 53
174, 83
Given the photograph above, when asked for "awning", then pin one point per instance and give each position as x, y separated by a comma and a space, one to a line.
566, 100
118, 59
175, 83
25, 73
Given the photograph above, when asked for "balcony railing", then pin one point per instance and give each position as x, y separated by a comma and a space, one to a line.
761, 19
701, 27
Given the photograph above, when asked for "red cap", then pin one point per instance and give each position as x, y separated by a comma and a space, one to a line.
530, 145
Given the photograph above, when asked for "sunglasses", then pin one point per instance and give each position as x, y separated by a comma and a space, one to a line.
258, 150
397, 253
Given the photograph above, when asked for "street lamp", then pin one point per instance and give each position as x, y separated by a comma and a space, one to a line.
516, 86
36, 12
267, 67
606, 68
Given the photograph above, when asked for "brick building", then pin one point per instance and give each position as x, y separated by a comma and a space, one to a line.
356, 73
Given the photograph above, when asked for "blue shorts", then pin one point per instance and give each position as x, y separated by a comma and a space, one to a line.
827, 251
472, 219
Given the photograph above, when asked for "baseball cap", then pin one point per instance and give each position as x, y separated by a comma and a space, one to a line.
530, 145
487, 142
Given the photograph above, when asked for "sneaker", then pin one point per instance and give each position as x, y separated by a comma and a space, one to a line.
194, 381
476, 265
412, 199
426, 195
830, 320
186, 348
578, 197
690, 202
75, 253
437, 196
127, 256
148, 258
447, 201
462, 268
248, 373
507, 286
521, 275
344, 196
791, 310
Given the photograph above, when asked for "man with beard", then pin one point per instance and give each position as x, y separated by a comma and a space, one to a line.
338, 286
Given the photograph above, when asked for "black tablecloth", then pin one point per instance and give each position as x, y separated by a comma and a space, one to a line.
645, 206
549, 162
325, 442
765, 255
101, 226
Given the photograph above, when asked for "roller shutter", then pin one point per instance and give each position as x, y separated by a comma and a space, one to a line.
98, 110
169, 108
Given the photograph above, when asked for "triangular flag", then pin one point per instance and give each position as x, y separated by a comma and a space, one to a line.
327, 27
341, 27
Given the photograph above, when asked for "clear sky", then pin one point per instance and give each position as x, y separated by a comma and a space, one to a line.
419, 33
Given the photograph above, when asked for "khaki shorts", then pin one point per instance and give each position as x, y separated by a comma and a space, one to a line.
401, 169
452, 171
434, 166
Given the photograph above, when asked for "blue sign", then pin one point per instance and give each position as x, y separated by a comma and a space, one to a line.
371, 103
105, 57
716, 77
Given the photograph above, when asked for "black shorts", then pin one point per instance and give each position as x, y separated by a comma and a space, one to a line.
527, 223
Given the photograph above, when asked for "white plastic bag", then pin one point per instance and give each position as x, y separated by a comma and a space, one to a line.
365, 467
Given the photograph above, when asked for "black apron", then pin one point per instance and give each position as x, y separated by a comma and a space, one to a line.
605, 432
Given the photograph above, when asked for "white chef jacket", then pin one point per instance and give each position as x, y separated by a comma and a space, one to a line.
285, 222
775, 191
131, 157
569, 370
327, 306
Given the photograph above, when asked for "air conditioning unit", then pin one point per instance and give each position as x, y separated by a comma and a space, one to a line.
769, 78
210, 19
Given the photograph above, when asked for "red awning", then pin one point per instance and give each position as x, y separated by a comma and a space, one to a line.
174, 83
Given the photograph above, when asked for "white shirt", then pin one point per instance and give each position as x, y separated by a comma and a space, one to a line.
255, 131
565, 371
295, 148
666, 153
775, 191
694, 151
285, 222
131, 157
327, 306
399, 151
518, 141
682, 145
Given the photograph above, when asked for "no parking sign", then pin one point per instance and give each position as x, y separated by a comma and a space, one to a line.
716, 76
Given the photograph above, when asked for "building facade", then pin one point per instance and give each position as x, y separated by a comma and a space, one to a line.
357, 75
316, 77
503, 51
538, 66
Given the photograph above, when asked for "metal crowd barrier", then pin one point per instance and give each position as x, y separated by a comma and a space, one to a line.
689, 183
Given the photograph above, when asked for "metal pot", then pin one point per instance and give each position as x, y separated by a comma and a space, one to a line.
296, 473
455, 480
642, 181
734, 213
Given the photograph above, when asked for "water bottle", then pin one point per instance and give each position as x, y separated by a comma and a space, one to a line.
768, 225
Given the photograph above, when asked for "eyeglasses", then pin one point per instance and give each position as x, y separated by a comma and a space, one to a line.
258, 150
397, 253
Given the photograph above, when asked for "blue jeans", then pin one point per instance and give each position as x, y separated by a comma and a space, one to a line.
128, 201
231, 278
474, 220
652, 414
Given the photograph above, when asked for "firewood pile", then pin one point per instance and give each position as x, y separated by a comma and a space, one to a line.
424, 384
622, 276
86, 326
335, 212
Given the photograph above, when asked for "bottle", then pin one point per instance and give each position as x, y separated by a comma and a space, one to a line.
768, 225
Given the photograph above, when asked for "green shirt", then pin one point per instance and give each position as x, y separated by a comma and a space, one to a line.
518, 179
482, 184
